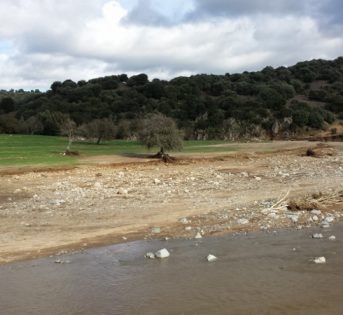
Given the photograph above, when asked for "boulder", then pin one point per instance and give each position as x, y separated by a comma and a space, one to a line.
150, 255
211, 258
162, 253
319, 260
198, 235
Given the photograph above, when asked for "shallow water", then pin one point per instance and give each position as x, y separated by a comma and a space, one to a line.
257, 273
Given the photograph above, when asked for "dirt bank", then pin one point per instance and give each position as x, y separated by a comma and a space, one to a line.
43, 212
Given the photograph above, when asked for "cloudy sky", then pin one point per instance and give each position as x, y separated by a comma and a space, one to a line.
42, 41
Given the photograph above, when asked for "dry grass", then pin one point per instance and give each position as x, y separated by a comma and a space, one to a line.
321, 201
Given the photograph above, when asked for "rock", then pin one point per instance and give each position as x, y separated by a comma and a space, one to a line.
258, 178
150, 255
242, 221
57, 202
198, 235
122, 191
315, 212
60, 261
294, 218
157, 181
156, 230
319, 260
162, 253
315, 218
211, 258
188, 228
98, 185
317, 235
332, 238
184, 221
244, 174
329, 219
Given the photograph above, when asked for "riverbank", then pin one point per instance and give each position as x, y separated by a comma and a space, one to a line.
104, 201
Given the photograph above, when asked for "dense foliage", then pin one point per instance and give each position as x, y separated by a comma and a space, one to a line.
271, 102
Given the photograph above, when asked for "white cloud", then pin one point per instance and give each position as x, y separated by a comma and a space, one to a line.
81, 39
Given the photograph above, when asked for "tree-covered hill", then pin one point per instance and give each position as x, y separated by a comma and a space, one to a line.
279, 102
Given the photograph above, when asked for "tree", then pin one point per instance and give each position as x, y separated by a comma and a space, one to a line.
7, 105
159, 130
98, 129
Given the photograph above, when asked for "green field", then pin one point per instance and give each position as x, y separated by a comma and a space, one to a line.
24, 150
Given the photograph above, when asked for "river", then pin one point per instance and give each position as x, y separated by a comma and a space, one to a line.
256, 273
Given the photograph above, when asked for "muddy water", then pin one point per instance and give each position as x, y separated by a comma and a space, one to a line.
257, 273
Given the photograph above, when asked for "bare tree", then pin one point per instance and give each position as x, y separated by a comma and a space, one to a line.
68, 128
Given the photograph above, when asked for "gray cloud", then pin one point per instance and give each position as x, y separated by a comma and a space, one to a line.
328, 13
246, 7
145, 14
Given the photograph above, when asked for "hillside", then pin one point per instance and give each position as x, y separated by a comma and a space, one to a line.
279, 103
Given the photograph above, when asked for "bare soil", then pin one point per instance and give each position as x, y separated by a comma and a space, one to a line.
116, 199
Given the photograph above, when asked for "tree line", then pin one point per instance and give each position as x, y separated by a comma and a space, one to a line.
273, 102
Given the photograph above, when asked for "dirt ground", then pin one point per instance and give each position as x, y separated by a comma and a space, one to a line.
117, 199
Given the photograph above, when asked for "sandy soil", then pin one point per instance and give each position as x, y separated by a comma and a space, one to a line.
116, 199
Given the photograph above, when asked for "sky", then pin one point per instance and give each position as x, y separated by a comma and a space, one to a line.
42, 41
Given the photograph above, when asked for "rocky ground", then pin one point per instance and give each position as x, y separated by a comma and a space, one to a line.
44, 212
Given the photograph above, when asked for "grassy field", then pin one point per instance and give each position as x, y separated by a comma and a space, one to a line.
22, 150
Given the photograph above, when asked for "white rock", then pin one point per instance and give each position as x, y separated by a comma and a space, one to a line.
162, 253
184, 221
319, 260
98, 185
317, 235
258, 178
294, 218
188, 228
245, 174
242, 221
150, 255
332, 238
211, 258
329, 219
157, 181
156, 230
198, 235
315, 212
122, 191
273, 215
315, 218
